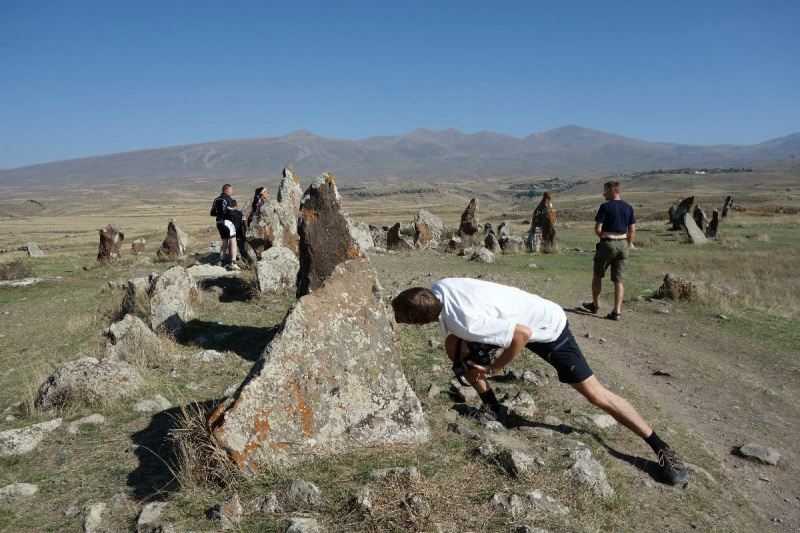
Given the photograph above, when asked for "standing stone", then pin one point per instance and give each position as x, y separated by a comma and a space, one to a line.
491, 244
330, 381
174, 245
693, 233
110, 239
684, 207
543, 226
455, 246
428, 231
361, 233
469, 224
325, 238
275, 223
488, 228
712, 228
512, 245
504, 230
727, 206
277, 271
170, 295
34, 251
138, 246
700, 217
132, 341
396, 241
378, 235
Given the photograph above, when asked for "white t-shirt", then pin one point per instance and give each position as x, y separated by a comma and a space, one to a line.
481, 311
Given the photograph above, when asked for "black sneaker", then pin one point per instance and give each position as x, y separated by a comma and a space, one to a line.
671, 467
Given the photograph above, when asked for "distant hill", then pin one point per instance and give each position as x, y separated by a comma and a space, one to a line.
419, 155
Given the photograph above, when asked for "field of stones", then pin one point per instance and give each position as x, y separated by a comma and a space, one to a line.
152, 390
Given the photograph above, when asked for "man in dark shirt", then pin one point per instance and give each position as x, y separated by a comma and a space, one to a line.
222, 208
615, 225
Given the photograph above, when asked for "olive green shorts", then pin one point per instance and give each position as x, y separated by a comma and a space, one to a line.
612, 253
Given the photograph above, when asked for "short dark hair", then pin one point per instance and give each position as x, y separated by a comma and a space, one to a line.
227, 186
613, 185
416, 305
234, 203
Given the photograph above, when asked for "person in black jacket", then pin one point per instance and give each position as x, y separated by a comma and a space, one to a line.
237, 217
222, 208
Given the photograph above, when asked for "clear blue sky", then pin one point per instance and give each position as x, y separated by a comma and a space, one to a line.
81, 78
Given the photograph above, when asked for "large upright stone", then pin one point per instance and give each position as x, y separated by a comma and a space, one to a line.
469, 226
727, 207
139, 246
700, 217
693, 233
396, 241
325, 238
713, 226
34, 251
275, 223
362, 235
174, 245
331, 380
170, 295
543, 226
110, 239
428, 230
684, 207
378, 235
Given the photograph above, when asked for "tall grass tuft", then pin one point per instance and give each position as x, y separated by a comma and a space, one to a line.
17, 269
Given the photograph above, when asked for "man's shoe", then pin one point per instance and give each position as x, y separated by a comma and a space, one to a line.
234, 267
671, 467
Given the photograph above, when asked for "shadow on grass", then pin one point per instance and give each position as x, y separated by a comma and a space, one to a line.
233, 289
645, 465
154, 477
248, 342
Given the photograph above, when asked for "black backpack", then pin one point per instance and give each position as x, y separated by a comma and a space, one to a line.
218, 206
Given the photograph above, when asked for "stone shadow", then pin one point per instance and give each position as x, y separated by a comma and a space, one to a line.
231, 289
248, 342
154, 477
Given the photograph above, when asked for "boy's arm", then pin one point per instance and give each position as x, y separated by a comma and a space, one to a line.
522, 335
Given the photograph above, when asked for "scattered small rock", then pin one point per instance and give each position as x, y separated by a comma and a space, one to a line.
95, 419
433, 391
228, 513
433, 343
92, 517
304, 492
602, 421
18, 489
268, 504
207, 356
362, 499
536, 431
409, 473
24, 440
304, 525
149, 517
759, 452
149, 405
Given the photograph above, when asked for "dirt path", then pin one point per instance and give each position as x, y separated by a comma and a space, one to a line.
723, 388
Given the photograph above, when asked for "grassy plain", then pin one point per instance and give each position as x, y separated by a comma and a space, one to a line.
728, 374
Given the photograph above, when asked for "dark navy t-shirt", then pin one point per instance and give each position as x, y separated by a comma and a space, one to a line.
616, 216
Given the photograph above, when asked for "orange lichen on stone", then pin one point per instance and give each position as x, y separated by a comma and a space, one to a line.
308, 214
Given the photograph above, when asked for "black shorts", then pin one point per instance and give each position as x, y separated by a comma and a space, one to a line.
565, 356
224, 230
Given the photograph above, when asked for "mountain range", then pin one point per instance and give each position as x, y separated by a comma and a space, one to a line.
418, 155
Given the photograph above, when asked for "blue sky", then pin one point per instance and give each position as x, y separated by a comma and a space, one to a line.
84, 78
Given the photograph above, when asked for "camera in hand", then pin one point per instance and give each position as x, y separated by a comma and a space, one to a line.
478, 353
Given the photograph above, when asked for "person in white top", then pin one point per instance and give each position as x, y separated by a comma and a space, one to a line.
476, 316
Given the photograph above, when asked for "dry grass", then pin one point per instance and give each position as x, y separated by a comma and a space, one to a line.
548, 248
17, 269
201, 462
30, 391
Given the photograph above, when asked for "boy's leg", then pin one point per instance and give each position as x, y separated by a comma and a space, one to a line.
233, 249
619, 408
223, 250
479, 383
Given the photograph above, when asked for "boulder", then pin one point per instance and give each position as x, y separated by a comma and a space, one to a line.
110, 238
330, 380
491, 243
325, 238
396, 241
276, 222
520, 462
139, 246
88, 382
361, 233
34, 251
276, 271
174, 245
170, 295
150, 517
504, 229
761, 453
512, 245
378, 236
469, 226
303, 525
304, 493
150, 405
25, 440
455, 246
428, 231
693, 233
18, 489
676, 288
727, 206
130, 340
482, 255
542, 234
712, 228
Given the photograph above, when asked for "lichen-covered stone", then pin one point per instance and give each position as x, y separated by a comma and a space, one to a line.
170, 295
482, 255
34, 251
469, 226
174, 245
131, 340
89, 382
378, 236
110, 238
428, 231
331, 379
693, 233
325, 238
542, 233
396, 241
276, 271
455, 246
512, 245
275, 223
25, 440
713, 227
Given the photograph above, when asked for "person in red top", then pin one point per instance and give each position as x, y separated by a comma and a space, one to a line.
615, 225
